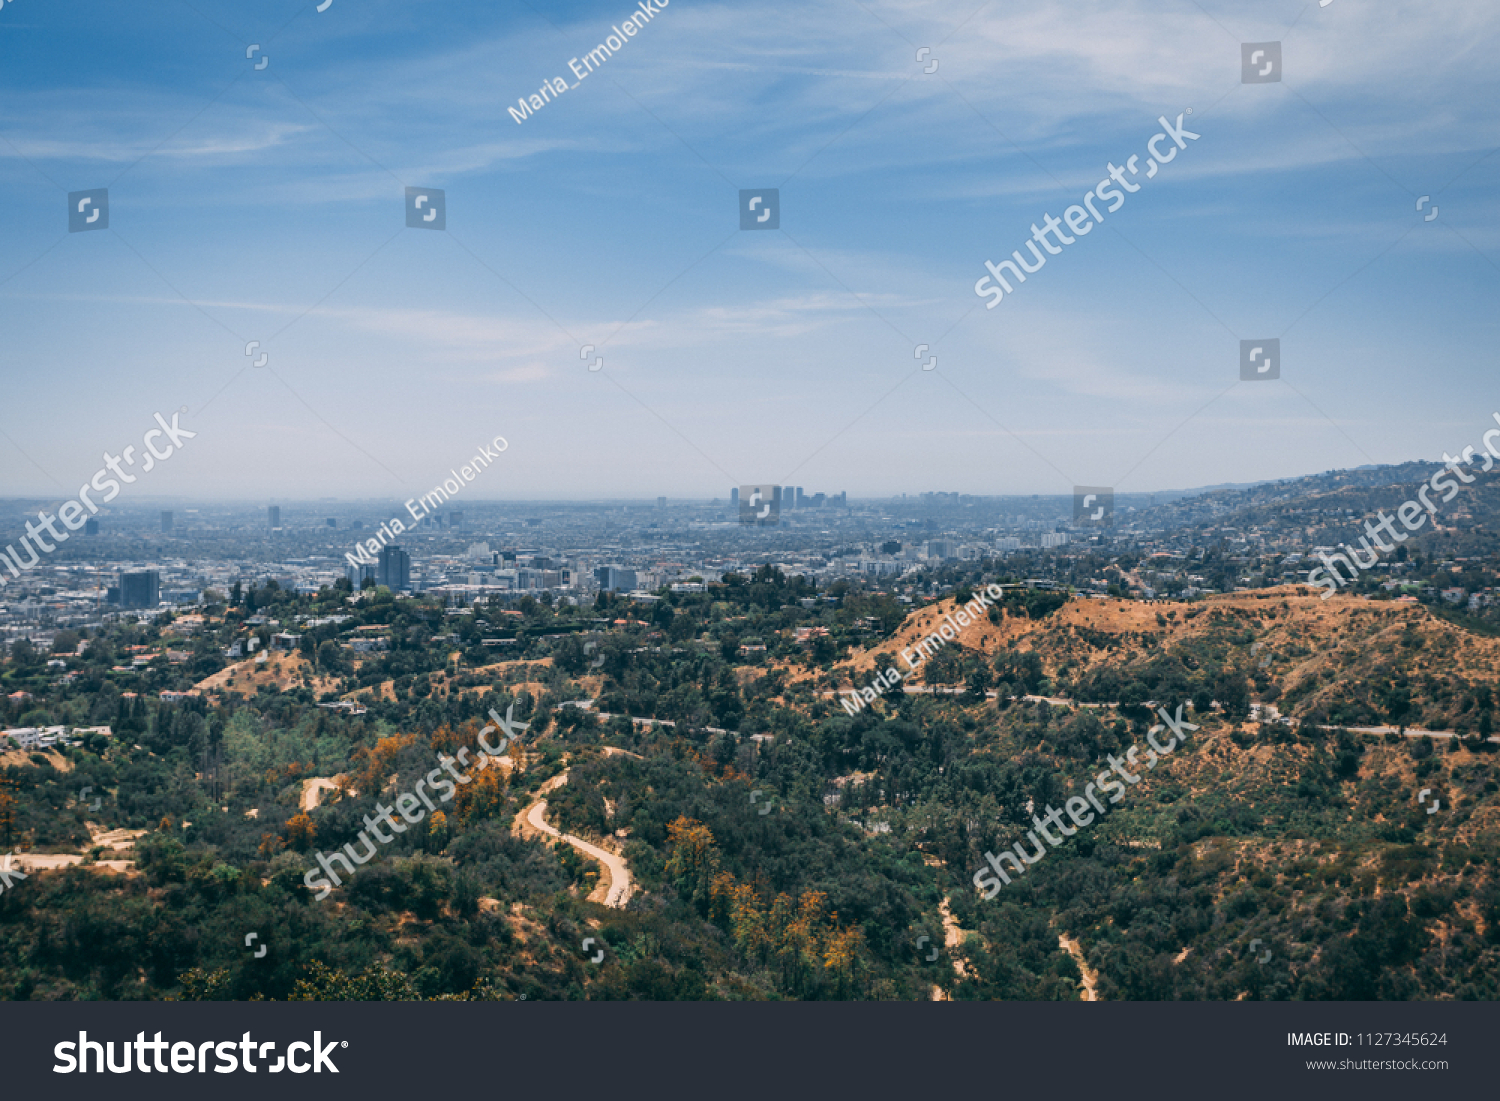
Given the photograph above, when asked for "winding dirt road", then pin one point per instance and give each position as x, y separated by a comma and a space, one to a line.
619, 889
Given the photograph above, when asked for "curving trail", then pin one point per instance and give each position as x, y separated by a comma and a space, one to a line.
1090, 977
619, 888
953, 938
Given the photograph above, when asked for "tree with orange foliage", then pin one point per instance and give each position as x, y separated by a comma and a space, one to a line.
735, 904
841, 955
376, 763
694, 859
482, 797
446, 740
437, 830
797, 936
300, 832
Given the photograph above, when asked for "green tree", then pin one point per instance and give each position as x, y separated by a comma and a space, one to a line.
374, 984
1398, 705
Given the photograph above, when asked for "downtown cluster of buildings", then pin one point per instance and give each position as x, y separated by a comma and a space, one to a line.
145, 558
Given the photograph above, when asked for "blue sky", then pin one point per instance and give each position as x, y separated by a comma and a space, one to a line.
267, 205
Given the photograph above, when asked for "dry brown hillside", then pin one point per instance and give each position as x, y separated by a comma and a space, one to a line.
1344, 655
279, 670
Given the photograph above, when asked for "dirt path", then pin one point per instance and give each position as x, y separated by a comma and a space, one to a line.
615, 890
953, 938
1090, 978
313, 786
115, 841
46, 862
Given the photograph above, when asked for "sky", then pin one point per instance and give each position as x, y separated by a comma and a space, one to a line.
268, 205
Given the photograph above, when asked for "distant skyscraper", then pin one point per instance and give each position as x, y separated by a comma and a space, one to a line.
91, 527
760, 505
331, 522
661, 502
166, 523
140, 590
394, 570
273, 516
455, 518
734, 497
615, 578
358, 574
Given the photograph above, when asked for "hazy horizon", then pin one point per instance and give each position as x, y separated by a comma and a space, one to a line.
464, 498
